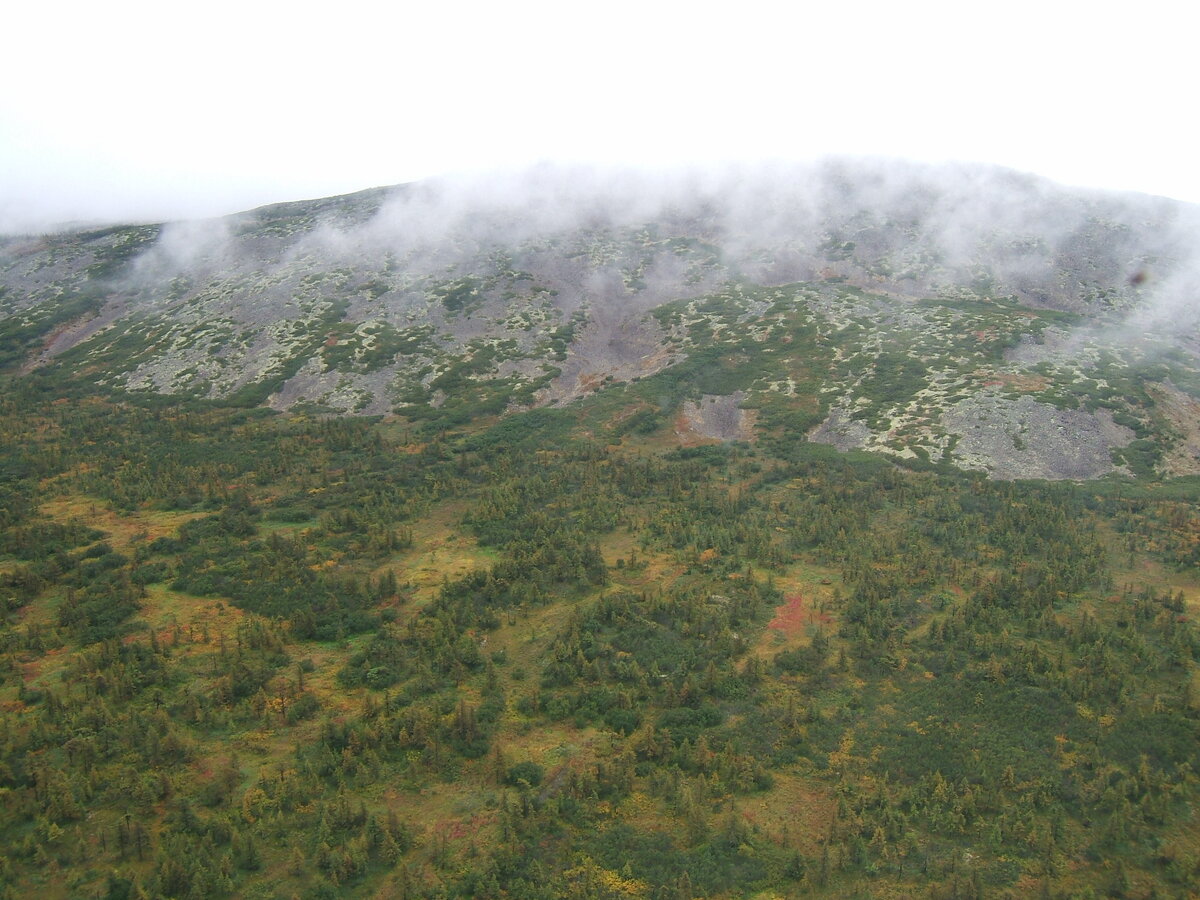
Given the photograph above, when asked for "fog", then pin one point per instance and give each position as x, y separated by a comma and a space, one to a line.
914, 229
140, 112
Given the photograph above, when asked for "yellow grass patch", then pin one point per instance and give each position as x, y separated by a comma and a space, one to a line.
796, 813
122, 530
322, 680
523, 637
163, 610
646, 813
1144, 572
440, 550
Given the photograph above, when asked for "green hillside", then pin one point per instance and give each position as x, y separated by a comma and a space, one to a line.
579, 653
841, 544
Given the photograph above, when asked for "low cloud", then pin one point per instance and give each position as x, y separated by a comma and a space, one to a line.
903, 227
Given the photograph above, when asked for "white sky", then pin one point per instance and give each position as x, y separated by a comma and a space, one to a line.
160, 110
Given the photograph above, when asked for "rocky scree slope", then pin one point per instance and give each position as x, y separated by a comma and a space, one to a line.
973, 317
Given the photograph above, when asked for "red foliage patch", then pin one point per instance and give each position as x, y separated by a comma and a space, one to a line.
789, 618
457, 829
793, 616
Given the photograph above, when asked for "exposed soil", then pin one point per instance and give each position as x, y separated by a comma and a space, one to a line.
719, 418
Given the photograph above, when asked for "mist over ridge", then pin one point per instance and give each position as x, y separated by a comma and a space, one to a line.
540, 286
943, 219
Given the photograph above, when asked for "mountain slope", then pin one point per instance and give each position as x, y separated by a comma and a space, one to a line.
598, 612
936, 297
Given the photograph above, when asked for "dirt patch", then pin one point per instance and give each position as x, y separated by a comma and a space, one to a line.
717, 417
789, 617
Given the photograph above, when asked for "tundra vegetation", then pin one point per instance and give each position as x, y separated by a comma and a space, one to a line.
491, 644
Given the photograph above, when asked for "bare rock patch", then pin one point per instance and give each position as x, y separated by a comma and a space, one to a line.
840, 431
1182, 412
1025, 438
609, 348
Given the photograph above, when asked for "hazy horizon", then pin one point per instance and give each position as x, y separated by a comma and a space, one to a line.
132, 111
590, 176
